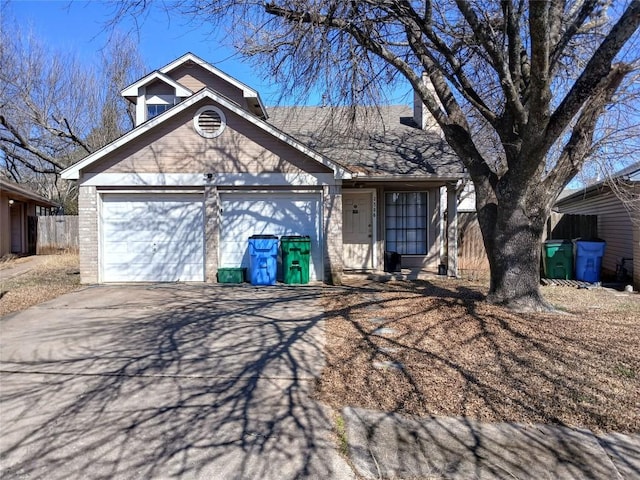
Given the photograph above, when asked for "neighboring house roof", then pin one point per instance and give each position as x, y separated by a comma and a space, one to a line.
568, 192
631, 174
247, 92
376, 143
73, 172
131, 92
23, 194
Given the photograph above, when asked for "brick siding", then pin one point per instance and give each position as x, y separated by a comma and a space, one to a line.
88, 234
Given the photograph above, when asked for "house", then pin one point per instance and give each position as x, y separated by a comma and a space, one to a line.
207, 166
616, 202
17, 206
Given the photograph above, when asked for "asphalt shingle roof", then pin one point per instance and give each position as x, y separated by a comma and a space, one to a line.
370, 141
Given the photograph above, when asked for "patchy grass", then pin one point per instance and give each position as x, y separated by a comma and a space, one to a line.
341, 432
54, 276
460, 356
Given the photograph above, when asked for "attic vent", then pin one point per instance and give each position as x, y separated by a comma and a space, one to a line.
209, 121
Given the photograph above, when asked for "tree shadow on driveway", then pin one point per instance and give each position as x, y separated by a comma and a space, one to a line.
166, 381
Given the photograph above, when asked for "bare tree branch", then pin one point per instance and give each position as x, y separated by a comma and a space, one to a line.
54, 110
20, 141
561, 40
596, 69
498, 61
581, 140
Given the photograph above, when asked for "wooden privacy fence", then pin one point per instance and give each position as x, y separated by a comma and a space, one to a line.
565, 226
472, 258
56, 233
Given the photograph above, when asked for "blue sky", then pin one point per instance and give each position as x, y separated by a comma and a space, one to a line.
79, 26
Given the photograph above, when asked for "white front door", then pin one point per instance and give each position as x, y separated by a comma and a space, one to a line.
152, 238
357, 230
280, 213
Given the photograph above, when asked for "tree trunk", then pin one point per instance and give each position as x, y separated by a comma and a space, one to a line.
513, 241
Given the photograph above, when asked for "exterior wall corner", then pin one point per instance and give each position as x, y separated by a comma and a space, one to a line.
452, 230
88, 234
332, 226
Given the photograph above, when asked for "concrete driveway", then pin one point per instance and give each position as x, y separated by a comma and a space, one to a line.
166, 381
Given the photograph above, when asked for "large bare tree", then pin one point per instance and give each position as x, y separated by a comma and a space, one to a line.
532, 77
54, 110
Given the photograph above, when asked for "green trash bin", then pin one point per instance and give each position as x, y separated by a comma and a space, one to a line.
295, 258
558, 259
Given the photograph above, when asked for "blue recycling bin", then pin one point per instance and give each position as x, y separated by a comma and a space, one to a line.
263, 253
589, 260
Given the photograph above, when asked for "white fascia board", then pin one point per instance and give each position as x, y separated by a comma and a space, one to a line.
143, 179
407, 178
132, 90
261, 105
73, 172
201, 179
272, 179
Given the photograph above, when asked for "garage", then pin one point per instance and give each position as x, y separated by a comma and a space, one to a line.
152, 237
282, 213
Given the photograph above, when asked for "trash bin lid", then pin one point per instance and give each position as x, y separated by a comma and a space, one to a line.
263, 237
295, 237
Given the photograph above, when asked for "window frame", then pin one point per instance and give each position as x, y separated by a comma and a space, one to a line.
166, 107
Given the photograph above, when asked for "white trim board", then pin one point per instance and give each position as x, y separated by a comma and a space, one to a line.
200, 179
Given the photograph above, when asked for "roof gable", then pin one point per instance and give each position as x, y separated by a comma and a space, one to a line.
253, 97
73, 172
132, 91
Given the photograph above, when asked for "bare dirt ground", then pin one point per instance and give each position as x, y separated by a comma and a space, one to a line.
54, 276
435, 348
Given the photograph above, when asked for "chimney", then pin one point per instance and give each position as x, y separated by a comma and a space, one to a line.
421, 114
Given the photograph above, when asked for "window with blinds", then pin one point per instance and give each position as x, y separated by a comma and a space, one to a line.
406, 222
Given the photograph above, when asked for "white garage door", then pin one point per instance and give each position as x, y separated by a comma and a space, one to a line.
247, 214
152, 238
